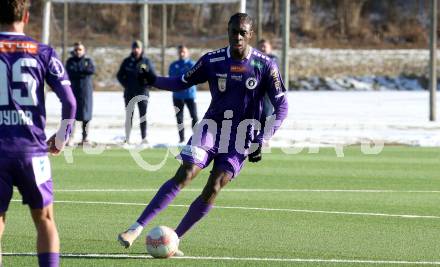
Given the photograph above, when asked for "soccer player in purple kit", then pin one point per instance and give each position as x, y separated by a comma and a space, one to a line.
25, 65
238, 77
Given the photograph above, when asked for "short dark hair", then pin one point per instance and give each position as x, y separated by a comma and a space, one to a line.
13, 11
263, 41
181, 46
238, 17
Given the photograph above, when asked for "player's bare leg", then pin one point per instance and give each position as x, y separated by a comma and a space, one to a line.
203, 204
48, 243
2, 229
216, 181
168, 191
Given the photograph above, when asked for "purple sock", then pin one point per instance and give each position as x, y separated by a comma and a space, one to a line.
167, 192
49, 259
196, 211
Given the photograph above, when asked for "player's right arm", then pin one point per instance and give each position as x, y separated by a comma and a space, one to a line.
57, 78
197, 74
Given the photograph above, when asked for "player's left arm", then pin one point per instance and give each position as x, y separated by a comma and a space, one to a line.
278, 97
58, 80
277, 94
196, 75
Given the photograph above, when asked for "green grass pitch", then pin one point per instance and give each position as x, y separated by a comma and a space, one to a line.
289, 226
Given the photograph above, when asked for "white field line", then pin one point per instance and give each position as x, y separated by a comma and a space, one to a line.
342, 261
407, 216
250, 190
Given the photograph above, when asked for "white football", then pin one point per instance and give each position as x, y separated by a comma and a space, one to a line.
162, 242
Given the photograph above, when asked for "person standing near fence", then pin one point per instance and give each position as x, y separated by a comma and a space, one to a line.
128, 78
81, 69
187, 96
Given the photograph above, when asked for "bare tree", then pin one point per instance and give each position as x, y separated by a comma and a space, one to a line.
197, 20
276, 16
172, 17
349, 16
216, 13
305, 15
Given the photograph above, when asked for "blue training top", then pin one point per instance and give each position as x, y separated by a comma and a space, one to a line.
178, 68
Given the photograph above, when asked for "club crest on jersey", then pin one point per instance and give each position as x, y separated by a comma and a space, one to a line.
238, 69
56, 67
221, 84
144, 66
251, 83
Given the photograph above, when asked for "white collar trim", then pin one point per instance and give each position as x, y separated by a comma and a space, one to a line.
250, 52
248, 56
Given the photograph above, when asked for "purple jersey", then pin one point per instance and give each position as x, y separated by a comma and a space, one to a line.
25, 65
238, 86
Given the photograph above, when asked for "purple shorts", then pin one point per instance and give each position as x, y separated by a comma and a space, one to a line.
207, 149
32, 177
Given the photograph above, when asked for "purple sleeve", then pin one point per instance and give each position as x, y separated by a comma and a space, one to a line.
278, 97
171, 83
197, 74
58, 80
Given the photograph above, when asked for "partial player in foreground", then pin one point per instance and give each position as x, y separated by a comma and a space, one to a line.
25, 65
239, 76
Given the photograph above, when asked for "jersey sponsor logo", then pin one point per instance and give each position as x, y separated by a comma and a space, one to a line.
56, 67
216, 59
191, 71
238, 78
221, 83
238, 68
276, 78
41, 167
222, 75
18, 47
16, 117
251, 83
